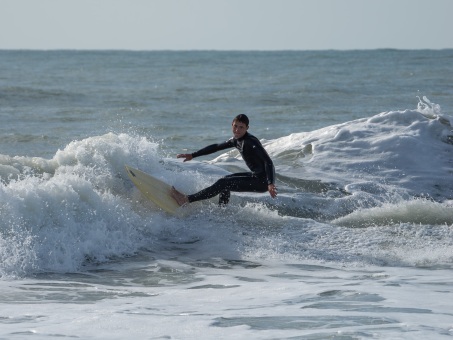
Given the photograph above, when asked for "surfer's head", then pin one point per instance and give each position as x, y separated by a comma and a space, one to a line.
240, 126
242, 118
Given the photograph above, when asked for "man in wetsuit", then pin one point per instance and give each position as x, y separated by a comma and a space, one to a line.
260, 179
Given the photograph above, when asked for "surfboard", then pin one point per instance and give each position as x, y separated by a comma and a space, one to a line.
153, 189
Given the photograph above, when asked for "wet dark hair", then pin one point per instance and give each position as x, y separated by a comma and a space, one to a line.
242, 118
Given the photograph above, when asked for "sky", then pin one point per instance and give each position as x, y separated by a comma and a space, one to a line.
225, 24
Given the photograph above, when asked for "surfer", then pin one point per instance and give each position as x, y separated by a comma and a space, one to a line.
260, 179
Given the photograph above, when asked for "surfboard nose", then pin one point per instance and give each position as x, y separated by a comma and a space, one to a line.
153, 189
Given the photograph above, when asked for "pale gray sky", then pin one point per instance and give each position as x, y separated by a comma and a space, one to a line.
226, 24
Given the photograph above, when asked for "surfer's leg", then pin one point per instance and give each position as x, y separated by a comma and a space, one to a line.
240, 182
246, 182
208, 192
221, 186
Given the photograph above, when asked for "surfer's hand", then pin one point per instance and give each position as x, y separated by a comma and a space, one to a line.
186, 156
272, 190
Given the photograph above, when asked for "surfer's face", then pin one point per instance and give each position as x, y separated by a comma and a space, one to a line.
239, 129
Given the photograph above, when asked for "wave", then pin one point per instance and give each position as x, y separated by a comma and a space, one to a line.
58, 213
397, 152
418, 211
79, 207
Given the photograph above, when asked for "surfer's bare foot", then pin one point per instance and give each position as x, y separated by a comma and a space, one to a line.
179, 197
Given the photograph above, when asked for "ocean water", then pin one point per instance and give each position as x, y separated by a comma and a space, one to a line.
358, 244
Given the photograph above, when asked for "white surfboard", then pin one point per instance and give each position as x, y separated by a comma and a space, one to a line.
153, 189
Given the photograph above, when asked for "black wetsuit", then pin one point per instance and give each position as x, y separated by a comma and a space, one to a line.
258, 161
